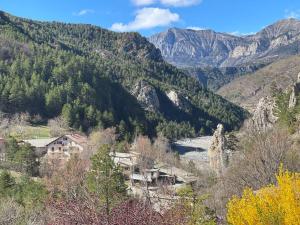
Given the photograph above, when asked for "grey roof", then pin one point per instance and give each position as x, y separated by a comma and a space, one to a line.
125, 159
140, 177
181, 174
40, 143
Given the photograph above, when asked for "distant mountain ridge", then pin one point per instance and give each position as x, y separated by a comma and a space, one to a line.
207, 48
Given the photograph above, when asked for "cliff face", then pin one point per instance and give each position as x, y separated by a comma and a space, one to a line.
178, 100
184, 47
146, 96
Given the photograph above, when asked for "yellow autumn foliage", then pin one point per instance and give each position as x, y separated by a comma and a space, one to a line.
272, 205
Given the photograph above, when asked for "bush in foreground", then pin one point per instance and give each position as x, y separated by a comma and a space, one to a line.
274, 204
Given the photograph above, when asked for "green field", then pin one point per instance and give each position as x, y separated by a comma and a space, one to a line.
32, 132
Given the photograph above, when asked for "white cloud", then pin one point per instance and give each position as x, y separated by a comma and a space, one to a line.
175, 3
235, 33
143, 2
196, 28
238, 33
148, 18
180, 3
84, 12
292, 14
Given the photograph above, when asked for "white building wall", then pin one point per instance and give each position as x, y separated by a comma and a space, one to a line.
64, 147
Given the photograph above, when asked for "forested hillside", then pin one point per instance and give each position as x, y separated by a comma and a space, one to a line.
215, 78
87, 74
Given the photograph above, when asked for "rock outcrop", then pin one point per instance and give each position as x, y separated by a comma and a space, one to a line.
295, 92
178, 100
263, 117
217, 152
146, 96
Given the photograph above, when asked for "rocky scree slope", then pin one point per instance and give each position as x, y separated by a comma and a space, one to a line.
247, 90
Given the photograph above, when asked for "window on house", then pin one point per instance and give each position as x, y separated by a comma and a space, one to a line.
52, 149
59, 148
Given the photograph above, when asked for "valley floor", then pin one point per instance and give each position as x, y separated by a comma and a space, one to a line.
195, 149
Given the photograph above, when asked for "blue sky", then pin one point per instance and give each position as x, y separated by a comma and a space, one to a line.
151, 16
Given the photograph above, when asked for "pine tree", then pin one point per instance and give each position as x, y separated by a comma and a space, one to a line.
7, 184
106, 179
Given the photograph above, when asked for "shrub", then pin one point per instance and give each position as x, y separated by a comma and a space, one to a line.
278, 204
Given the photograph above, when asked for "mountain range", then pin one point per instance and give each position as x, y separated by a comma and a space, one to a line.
207, 48
98, 78
94, 77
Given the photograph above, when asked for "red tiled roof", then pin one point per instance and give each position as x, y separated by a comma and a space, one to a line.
77, 138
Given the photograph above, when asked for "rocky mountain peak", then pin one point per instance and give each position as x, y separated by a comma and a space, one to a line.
186, 47
286, 26
189, 47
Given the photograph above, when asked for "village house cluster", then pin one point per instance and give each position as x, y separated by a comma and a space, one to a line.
61, 149
152, 177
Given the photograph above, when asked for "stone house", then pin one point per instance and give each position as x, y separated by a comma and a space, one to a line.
59, 148
66, 145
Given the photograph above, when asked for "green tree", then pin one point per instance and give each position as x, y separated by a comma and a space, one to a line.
11, 148
30, 193
193, 204
26, 156
106, 179
286, 116
7, 184
23, 156
122, 130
